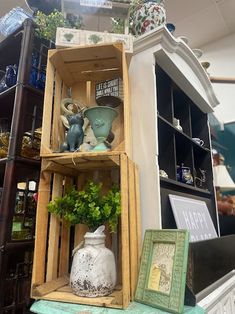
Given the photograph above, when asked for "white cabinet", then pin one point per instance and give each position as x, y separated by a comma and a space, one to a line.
188, 81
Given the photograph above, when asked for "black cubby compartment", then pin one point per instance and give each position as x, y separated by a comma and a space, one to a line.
199, 122
164, 95
202, 162
184, 152
181, 110
166, 144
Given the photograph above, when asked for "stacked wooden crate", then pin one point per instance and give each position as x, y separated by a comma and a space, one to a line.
79, 70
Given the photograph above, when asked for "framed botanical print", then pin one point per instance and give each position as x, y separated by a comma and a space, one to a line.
163, 268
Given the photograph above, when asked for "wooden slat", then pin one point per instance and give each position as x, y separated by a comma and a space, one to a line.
80, 229
125, 230
91, 52
47, 108
41, 229
58, 62
54, 232
72, 298
56, 123
127, 115
116, 160
51, 166
133, 244
138, 213
65, 238
92, 65
39, 291
88, 155
79, 93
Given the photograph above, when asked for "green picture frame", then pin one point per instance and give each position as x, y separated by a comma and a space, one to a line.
163, 268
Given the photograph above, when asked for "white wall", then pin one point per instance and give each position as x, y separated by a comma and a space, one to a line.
221, 55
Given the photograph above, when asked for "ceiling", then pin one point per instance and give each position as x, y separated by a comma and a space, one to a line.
202, 21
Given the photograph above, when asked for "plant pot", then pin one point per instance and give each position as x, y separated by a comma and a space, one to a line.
101, 119
147, 16
93, 272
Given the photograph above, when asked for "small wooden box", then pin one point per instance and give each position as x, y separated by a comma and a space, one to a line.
77, 71
69, 37
55, 240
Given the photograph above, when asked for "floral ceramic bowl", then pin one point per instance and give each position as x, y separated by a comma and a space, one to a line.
146, 17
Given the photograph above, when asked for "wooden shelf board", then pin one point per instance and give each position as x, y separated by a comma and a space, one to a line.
81, 161
184, 186
60, 290
16, 244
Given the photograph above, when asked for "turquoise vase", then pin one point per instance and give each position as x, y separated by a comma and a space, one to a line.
101, 119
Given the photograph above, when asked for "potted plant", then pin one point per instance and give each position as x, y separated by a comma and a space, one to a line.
93, 271
47, 24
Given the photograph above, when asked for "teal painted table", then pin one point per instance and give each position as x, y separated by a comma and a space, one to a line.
51, 307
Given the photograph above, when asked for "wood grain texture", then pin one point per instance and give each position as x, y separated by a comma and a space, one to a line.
50, 286
54, 233
125, 231
47, 107
65, 239
41, 229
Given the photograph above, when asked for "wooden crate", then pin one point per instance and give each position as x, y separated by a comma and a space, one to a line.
54, 240
77, 71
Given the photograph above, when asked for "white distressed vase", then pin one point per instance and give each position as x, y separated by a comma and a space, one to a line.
93, 272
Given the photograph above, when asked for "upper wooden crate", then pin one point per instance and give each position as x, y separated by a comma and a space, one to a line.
54, 239
74, 72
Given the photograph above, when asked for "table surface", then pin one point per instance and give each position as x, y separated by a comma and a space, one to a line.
51, 307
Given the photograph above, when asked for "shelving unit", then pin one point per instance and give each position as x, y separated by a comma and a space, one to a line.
79, 70
22, 106
178, 148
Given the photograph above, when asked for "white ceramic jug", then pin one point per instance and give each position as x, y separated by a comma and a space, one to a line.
93, 272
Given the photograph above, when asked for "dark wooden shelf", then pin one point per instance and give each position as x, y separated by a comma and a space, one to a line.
35, 90
19, 244
186, 187
28, 161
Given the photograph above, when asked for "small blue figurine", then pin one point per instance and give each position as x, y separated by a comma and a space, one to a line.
72, 119
75, 133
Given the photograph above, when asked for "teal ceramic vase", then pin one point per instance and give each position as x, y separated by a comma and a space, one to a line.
101, 119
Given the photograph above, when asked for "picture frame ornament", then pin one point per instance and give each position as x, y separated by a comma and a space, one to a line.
163, 268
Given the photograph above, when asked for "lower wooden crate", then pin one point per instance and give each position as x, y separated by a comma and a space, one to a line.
54, 240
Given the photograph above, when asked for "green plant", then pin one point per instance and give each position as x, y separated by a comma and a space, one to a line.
47, 24
89, 206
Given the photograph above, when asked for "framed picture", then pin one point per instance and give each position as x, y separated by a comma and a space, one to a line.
163, 268
193, 215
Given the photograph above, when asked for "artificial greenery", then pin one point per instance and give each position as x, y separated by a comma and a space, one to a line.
89, 206
47, 24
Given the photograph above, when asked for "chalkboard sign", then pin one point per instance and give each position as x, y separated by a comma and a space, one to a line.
112, 87
194, 216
